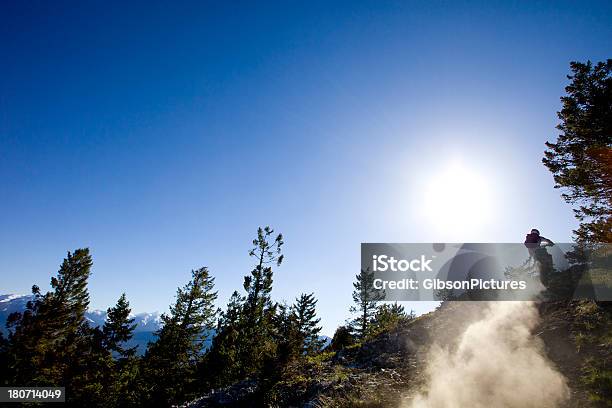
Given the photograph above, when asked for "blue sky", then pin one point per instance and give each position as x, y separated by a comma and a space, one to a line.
161, 135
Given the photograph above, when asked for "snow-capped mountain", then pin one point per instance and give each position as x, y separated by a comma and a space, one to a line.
17, 303
12, 303
146, 323
96, 317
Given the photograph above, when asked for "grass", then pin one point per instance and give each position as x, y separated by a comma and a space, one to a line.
598, 378
594, 330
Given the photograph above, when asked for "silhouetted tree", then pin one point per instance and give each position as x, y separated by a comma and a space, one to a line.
45, 338
117, 331
259, 311
51, 343
119, 328
91, 375
581, 158
171, 360
252, 338
222, 365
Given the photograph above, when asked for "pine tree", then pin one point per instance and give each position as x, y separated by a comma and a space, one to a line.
259, 311
25, 341
171, 361
294, 335
305, 315
51, 343
222, 365
287, 336
91, 375
288, 342
259, 284
119, 328
116, 332
389, 316
366, 299
70, 298
45, 338
581, 158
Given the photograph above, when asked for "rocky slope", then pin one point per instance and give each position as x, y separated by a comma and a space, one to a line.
573, 339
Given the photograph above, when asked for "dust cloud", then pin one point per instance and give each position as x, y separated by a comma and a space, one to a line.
497, 363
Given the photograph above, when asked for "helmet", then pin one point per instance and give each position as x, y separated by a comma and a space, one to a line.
535, 231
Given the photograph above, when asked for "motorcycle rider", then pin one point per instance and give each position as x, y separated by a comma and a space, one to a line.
536, 245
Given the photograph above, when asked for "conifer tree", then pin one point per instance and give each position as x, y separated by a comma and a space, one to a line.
288, 342
366, 299
287, 336
51, 343
389, 316
259, 284
259, 311
581, 158
91, 374
45, 338
119, 328
24, 348
305, 316
222, 365
171, 361
116, 332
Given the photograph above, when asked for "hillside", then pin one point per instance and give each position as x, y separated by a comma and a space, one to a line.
474, 354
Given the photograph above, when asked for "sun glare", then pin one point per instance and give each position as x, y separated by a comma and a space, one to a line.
457, 201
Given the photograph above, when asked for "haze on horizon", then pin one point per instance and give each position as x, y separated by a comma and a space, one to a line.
161, 136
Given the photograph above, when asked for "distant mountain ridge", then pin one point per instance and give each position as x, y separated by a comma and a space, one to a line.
146, 323
16, 303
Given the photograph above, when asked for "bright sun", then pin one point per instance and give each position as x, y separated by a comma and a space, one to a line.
457, 201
